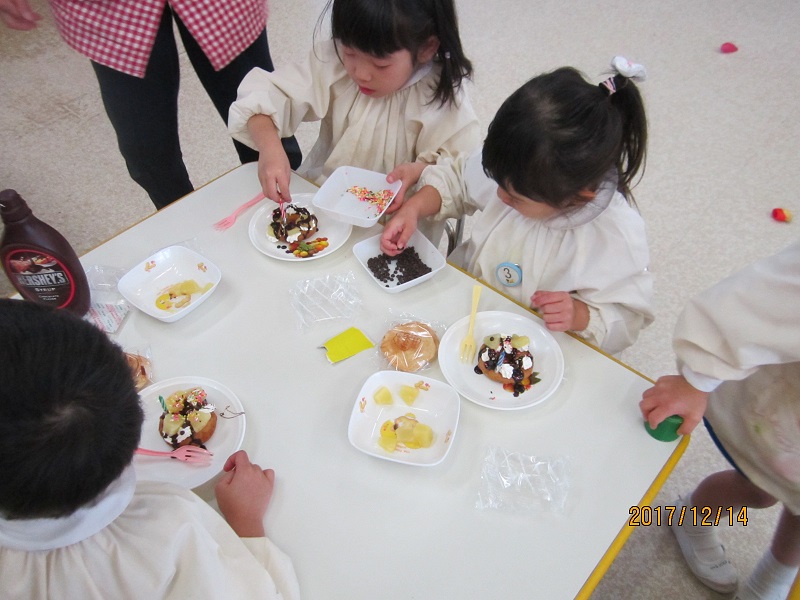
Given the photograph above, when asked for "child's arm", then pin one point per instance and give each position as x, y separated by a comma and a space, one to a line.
673, 395
403, 224
274, 171
409, 174
243, 494
560, 311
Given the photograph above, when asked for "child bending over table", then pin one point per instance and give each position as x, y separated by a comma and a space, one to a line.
738, 351
387, 89
556, 228
74, 522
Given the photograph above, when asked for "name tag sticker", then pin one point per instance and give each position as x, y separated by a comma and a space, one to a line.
508, 274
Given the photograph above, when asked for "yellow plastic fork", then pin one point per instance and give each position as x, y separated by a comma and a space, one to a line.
468, 345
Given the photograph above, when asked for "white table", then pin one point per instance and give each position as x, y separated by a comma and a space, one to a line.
359, 527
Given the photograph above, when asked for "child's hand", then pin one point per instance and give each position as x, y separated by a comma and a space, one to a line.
274, 173
18, 14
560, 311
409, 174
673, 395
243, 494
397, 232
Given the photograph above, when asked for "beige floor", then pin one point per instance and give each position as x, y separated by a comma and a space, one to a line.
723, 153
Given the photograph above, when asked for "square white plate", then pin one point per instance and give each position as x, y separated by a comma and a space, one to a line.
438, 407
148, 280
428, 253
334, 200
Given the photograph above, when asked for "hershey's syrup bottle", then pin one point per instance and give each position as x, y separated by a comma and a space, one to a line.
38, 260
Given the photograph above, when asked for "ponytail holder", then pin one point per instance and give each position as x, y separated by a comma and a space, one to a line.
447, 55
622, 66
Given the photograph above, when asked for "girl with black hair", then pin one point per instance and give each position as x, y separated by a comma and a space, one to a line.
557, 229
388, 89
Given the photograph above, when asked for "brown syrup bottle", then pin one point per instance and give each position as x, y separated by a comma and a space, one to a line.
38, 260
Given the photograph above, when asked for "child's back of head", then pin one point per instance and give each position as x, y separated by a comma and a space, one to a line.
382, 27
559, 135
71, 415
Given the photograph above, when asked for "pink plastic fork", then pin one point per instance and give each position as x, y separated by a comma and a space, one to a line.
231, 218
191, 454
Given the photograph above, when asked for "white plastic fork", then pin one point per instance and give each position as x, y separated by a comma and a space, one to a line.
228, 221
190, 454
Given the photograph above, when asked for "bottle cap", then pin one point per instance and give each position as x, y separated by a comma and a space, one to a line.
667, 430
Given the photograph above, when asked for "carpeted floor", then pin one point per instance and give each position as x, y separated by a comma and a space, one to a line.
722, 154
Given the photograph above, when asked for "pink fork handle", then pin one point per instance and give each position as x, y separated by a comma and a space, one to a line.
147, 452
258, 198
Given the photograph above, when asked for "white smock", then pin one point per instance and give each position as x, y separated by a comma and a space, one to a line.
145, 540
740, 340
598, 253
355, 129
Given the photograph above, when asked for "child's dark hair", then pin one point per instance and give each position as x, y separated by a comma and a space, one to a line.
382, 27
558, 134
71, 415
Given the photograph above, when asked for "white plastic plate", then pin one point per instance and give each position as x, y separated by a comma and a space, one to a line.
428, 253
334, 200
438, 407
175, 264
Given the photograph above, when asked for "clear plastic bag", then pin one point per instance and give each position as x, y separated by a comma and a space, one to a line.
409, 343
108, 308
325, 298
519, 483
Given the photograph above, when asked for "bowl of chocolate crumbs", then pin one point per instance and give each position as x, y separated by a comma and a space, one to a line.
420, 261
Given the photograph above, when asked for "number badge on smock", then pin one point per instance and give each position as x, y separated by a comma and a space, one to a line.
508, 274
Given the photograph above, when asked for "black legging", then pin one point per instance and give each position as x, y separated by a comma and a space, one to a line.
144, 112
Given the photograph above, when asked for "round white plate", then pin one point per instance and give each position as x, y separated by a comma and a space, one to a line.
227, 438
336, 231
548, 361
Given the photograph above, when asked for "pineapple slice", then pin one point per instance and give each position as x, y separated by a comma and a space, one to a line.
382, 395
175, 402
423, 435
409, 393
198, 419
172, 424
388, 438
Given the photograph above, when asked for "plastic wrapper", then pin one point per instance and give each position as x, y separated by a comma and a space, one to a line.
141, 366
410, 344
108, 308
518, 483
325, 298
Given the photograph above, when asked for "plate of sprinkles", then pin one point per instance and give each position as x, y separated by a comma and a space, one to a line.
356, 196
329, 237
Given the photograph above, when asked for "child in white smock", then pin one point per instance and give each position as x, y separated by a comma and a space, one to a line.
555, 230
738, 351
387, 89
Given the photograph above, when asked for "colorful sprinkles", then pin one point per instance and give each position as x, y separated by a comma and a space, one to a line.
380, 199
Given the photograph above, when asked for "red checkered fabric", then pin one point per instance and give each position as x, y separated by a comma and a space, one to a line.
120, 33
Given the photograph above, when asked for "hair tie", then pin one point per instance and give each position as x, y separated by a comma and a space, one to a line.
609, 86
447, 55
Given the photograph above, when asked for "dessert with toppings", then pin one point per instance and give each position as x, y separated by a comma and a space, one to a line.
505, 359
187, 419
297, 225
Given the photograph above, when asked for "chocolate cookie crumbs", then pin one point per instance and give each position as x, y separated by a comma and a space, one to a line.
400, 269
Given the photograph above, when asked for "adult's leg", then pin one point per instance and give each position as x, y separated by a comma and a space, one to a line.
221, 85
144, 114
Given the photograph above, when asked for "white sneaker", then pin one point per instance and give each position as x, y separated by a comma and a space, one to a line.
704, 553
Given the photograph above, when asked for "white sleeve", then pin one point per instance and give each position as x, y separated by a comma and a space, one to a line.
743, 322
461, 183
295, 93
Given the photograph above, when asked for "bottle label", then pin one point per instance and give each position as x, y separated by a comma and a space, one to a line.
40, 277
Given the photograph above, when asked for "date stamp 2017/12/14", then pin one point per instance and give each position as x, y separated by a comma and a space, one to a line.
644, 516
